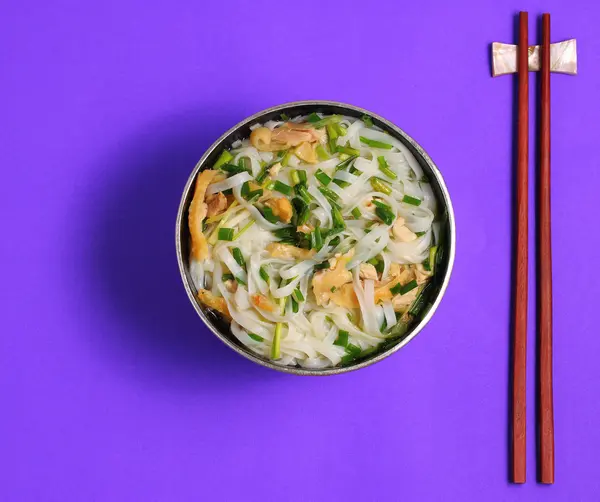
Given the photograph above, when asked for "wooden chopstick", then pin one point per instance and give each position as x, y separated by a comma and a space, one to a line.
520, 284
545, 270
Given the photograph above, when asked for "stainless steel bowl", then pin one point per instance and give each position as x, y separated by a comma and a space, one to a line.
241, 131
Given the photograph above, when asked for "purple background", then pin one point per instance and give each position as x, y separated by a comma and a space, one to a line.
112, 389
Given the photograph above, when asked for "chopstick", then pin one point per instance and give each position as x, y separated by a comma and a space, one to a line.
545, 270
520, 285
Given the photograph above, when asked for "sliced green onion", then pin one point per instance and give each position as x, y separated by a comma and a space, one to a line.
322, 265
333, 288
375, 144
348, 150
298, 296
238, 257
275, 344
367, 120
384, 212
322, 177
245, 189
322, 153
331, 119
224, 158
381, 186
313, 117
254, 195
303, 193
256, 338
341, 183
347, 359
262, 175
356, 213
316, 239
342, 338
303, 176
385, 168
295, 306
294, 177
282, 187
267, 212
243, 229
402, 290
338, 219
233, 169
330, 194
413, 201
286, 158
344, 164
340, 129
241, 281
263, 274
353, 350
284, 117
432, 253
288, 233
344, 156
332, 135
225, 234
227, 277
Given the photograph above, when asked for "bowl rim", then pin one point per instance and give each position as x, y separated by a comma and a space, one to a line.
182, 211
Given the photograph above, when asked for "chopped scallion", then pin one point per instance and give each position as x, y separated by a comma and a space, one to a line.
313, 117
348, 150
245, 189
243, 229
223, 159
367, 120
356, 213
353, 350
267, 212
322, 177
298, 296
227, 277
345, 163
238, 257
294, 177
303, 193
263, 274
381, 186
341, 183
286, 158
275, 344
262, 175
256, 338
282, 187
331, 119
375, 144
233, 169
342, 338
432, 256
338, 219
322, 153
332, 135
413, 201
225, 234
385, 168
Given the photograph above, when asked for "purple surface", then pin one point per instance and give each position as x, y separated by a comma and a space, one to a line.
112, 389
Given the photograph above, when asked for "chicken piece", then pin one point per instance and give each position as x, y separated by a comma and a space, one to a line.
403, 302
285, 136
345, 296
262, 302
317, 134
261, 139
368, 271
216, 204
282, 208
325, 281
306, 152
398, 275
290, 137
197, 213
401, 232
305, 228
217, 303
278, 250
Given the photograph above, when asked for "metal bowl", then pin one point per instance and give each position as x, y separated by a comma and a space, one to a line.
445, 215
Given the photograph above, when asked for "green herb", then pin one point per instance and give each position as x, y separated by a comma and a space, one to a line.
356, 213
344, 156
275, 346
322, 153
316, 239
384, 212
229, 191
224, 158
353, 350
420, 234
348, 150
256, 338
345, 163
295, 306
282, 187
340, 129
233, 169
267, 212
284, 117
243, 229
333, 288
342, 338
227, 277
411, 200
294, 177
385, 168
335, 242
367, 120
303, 176
330, 194
381, 186
238, 257
285, 233
432, 253
241, 281
375, 144
332, 135
322, 177
300, 210
313, 117
225, 234
263, 274
347, 359
322, 265
383, 325
297, 295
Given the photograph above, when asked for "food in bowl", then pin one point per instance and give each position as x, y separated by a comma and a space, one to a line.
315, 238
